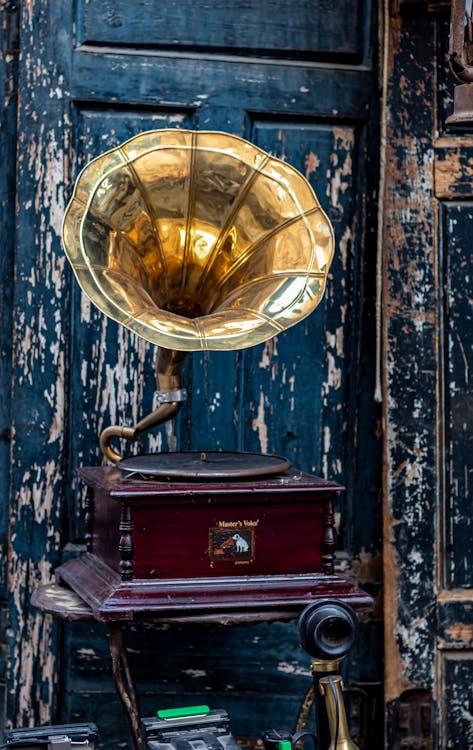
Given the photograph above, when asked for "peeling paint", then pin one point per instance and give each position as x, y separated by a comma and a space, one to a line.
312, 162
459, 631
195, 672
259, 424
410, 342
293, 668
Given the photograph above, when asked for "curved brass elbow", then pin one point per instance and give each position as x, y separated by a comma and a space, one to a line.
170, 395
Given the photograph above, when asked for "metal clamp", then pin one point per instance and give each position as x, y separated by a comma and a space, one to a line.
169, 397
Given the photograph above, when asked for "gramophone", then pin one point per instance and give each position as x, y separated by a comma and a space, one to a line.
200, 241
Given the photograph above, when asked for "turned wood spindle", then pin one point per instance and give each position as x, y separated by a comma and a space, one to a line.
126, 546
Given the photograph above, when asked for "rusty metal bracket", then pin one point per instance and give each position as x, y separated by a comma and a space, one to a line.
461, 42
460, 56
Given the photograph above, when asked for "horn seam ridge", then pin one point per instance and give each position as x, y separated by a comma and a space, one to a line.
242, 193
190, 206
256, 246
139, 187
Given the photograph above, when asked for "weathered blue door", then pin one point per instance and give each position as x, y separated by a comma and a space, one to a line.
297, 80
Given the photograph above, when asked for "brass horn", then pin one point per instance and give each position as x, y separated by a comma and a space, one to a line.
195, 240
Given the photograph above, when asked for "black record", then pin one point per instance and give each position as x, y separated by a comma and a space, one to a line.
204, 465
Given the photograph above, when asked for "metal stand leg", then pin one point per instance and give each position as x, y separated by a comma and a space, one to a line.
124, 682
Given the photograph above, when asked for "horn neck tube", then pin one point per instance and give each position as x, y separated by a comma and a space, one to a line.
169, 395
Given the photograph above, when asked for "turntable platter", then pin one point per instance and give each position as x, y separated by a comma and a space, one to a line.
184, 465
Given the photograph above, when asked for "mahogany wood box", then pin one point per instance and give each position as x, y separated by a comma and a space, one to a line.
156, 546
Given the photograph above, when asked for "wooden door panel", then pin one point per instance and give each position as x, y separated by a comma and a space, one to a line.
317, 28
458, 285
410, 403
74, 371
162, 79
457, 708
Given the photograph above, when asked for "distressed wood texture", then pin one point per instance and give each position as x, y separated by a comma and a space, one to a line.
39, 357
458, 285
457, 672
92, 75
317, 29
411, 387
453, 168
428, 408
8, 113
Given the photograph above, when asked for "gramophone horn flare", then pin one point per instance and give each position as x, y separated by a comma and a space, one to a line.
198, 240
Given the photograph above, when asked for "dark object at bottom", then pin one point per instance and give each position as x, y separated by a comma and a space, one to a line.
206, 732
60, 737
272, 738
280, 739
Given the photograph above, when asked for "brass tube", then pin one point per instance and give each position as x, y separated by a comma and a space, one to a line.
323, 668
169, 365
331, 689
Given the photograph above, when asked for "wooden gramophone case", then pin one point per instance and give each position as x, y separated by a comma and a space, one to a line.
167, 546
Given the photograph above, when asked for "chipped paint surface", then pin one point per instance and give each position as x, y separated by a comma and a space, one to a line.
293, 668
460, 631
39, 372
414, 556
409, 340
428, 406
259, 425
453, 169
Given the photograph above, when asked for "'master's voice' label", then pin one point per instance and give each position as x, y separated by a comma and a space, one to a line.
232, 541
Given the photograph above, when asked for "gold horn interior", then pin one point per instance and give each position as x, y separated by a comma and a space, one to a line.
198, 240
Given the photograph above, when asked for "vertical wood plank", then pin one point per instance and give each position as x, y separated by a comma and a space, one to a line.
9, 41
39, 351
458, 284
410, 360
9, 17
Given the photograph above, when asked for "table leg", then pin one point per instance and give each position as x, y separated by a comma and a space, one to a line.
124, 682
305, 710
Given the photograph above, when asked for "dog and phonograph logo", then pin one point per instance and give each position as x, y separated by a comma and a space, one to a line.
233, 540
